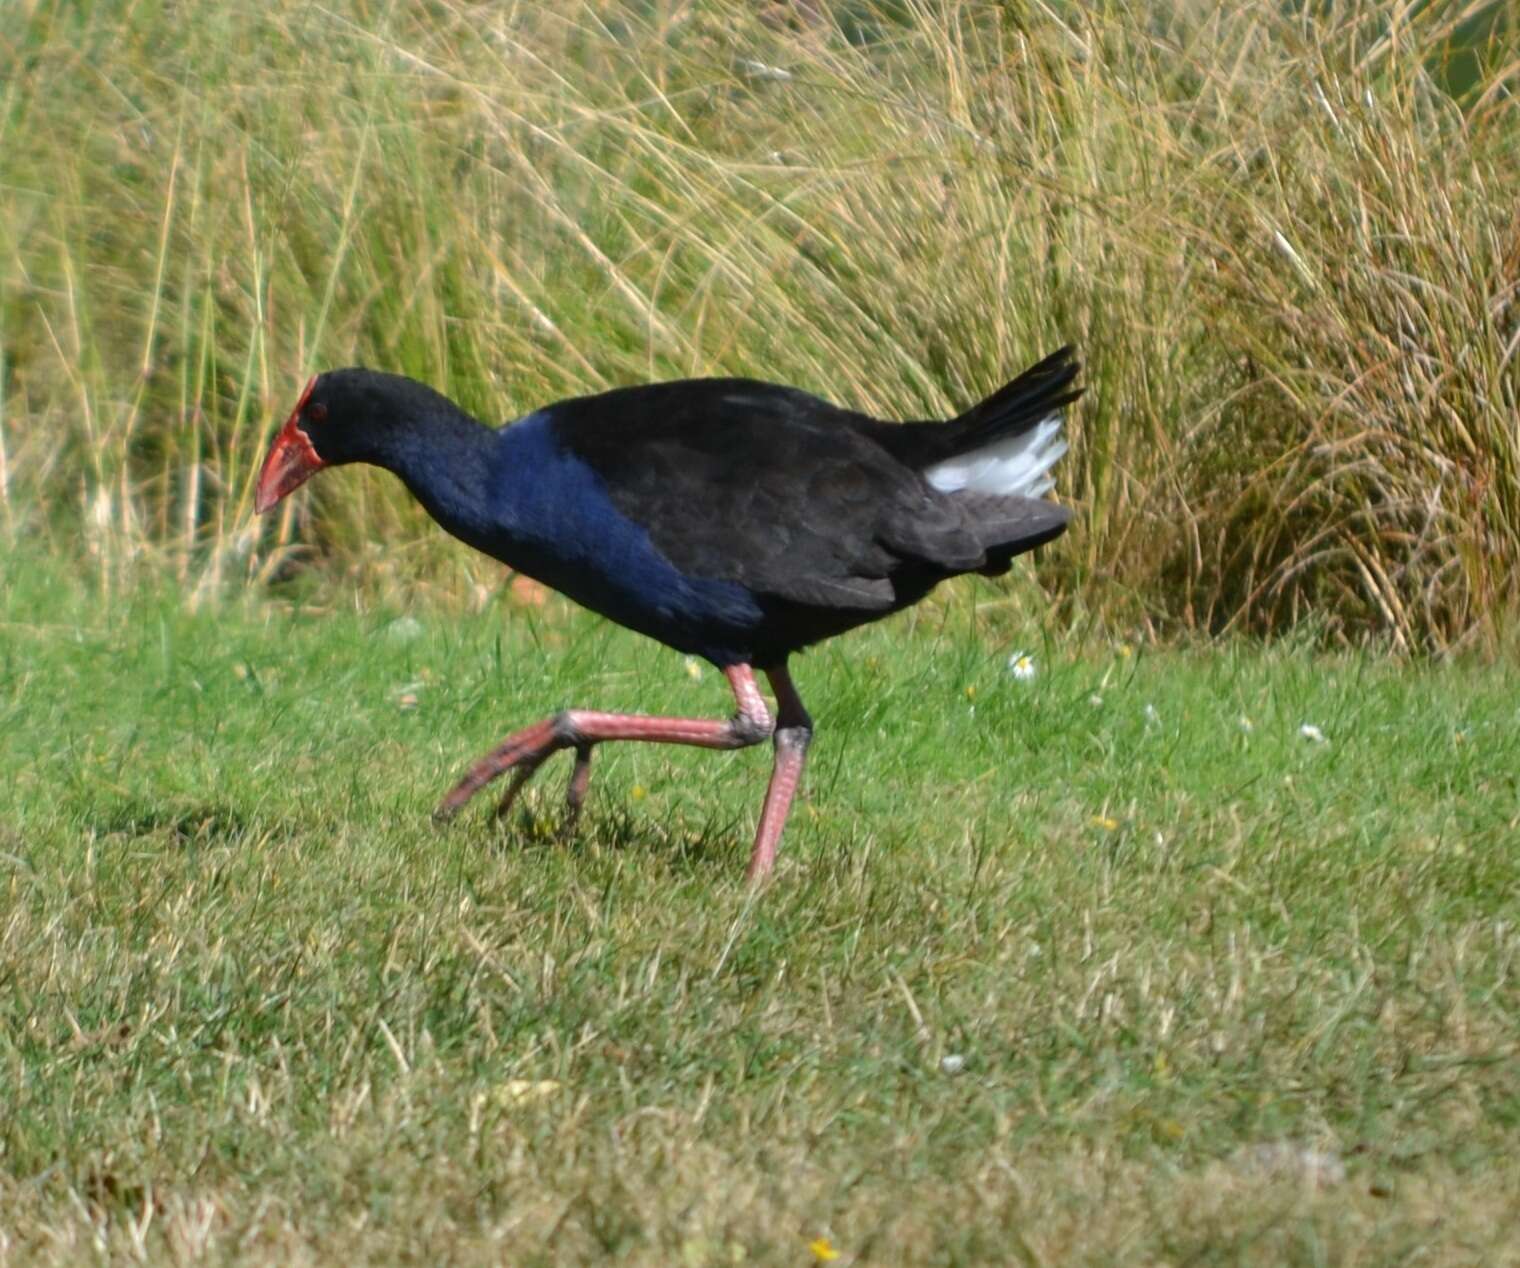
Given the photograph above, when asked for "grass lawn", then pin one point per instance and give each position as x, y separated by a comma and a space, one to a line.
1112, 965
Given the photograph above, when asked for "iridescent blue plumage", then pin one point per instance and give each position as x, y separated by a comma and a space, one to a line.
552, 518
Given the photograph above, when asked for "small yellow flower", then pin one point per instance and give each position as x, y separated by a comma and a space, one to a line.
823, 1250
693, 668
1125, 651
970, 693
638, 792
1107, 822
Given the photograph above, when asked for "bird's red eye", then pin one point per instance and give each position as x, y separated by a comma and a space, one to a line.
316, 412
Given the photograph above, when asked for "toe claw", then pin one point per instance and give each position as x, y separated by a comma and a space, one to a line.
448, 808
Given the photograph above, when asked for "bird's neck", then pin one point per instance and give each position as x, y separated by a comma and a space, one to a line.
446, 458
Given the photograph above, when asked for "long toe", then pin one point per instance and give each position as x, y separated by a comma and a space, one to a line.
575, 791
520, 777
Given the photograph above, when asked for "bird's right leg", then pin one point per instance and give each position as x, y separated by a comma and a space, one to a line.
525, 751
793, 734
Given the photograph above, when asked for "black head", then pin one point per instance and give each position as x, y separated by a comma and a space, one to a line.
352, 415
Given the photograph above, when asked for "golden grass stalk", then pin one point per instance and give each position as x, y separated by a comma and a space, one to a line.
1285, 244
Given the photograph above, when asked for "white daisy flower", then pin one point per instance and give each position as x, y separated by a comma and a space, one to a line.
1021, 666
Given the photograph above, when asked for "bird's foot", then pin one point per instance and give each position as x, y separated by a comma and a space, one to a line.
524, 751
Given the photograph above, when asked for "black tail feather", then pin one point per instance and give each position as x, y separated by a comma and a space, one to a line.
1020, 404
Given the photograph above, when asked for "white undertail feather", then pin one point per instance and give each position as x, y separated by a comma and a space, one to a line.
1014, 466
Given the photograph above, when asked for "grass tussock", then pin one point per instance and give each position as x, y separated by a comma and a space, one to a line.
1285, 244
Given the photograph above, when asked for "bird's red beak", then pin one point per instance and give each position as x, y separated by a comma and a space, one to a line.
292, 460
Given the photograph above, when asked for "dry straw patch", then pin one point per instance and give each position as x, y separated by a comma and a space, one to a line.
1286, 248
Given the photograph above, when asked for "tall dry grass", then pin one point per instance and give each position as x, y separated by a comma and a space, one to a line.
1287, 250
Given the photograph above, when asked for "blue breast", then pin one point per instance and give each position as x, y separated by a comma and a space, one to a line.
550, 516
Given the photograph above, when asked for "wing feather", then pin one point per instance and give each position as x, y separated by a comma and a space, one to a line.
772, 488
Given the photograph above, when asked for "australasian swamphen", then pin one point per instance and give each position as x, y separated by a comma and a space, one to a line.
731, 519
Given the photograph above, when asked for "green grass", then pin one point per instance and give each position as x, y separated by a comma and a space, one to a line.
255, 1007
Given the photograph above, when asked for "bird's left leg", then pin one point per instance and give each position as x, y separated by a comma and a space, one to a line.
525, 751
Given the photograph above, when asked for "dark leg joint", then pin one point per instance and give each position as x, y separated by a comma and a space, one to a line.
795, 738
748, 729
566, 733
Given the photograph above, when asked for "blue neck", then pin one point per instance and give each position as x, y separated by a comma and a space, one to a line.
450, 466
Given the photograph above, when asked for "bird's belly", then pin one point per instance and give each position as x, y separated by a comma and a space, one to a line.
715, 619
621, 576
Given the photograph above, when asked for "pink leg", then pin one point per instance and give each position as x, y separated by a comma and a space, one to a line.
793, 734
579, 729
